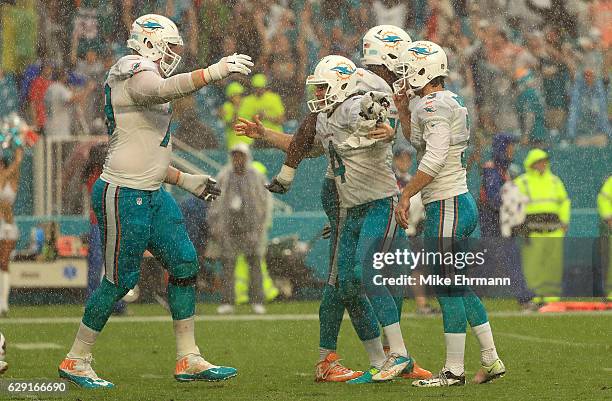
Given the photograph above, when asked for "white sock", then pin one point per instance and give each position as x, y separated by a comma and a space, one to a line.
375, 352
84, 342
184, 332
323, 352
393, 332
455, 349
5, 289
488, 353
385, 341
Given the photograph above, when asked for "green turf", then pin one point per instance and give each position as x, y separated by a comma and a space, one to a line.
548, 358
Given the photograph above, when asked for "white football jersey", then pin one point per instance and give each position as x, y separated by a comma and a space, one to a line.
361, 167
440, 132
139, 145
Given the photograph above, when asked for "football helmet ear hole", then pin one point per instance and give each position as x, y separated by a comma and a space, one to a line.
421, 71
344, 85
392, 56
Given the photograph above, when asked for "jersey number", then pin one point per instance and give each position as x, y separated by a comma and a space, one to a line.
336, 163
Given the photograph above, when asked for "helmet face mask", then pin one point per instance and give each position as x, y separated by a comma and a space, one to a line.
339, 75
151, 36
419, 64
383, 44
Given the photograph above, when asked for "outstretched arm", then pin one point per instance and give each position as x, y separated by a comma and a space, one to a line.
256, 130
147, 87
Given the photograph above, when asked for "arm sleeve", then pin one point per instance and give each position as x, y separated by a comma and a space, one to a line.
302, 141
147, 87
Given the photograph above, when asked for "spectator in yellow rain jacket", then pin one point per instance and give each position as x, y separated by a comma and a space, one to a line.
547, 219
604, 206
229, 114
264, 103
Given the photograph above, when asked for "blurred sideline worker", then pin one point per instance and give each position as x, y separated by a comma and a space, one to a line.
10, 167
604, 206
546, 222
229, 114
134, 211
265, 103
238, 224
241, 273
506, 261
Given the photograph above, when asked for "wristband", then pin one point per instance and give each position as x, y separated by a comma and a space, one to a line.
286, 174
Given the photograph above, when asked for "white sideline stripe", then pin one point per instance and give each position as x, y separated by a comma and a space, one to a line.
548, 340
35, 346
274, 317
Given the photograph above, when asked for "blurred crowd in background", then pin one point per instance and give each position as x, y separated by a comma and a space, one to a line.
539, 69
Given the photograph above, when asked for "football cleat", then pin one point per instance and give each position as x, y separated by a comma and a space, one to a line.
193, 367
79, 372
258, 309
393, 367
331, 370
3, 367
366, 377
445, 378
487, 373
416, 373
225, 309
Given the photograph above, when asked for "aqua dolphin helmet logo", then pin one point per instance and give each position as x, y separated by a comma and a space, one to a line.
343, 71
389, 38
150, 25
421, 52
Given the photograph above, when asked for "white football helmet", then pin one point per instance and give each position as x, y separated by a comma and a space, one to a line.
421, 62
383, 44
340, 76
150, 36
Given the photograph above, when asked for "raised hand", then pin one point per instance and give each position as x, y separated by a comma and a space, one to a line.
251, 129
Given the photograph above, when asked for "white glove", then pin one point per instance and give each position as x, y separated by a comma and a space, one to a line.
375, 106
239, 63
201, 185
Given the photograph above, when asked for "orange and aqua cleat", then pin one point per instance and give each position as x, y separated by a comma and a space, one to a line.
331, 370
417, 373
193, 367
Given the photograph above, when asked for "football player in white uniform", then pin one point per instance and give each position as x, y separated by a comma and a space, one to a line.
439, 129
134, 212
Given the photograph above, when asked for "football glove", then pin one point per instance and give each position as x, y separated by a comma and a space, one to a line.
282, 182
201, 185
375, 106
278, 186
239, 63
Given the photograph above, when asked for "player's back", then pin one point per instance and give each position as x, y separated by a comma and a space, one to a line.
431, 113
361, 166
139, 145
